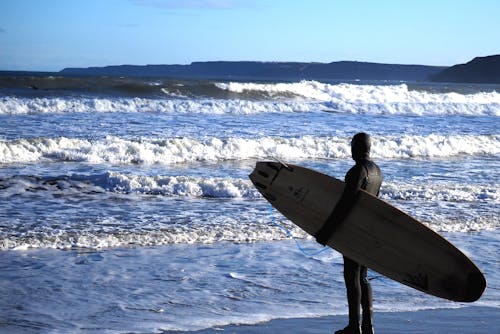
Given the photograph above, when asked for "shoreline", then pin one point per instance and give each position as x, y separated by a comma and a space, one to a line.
465, 320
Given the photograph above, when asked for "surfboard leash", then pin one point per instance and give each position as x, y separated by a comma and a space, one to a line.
284, 164
302, 249
289, 234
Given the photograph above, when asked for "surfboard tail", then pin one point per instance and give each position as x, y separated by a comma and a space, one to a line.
476, 284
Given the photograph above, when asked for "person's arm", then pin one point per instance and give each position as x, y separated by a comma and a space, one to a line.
354, 181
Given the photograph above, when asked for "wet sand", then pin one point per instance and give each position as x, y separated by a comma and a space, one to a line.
467, 320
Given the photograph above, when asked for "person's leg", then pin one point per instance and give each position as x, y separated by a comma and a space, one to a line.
353, 287
366, 302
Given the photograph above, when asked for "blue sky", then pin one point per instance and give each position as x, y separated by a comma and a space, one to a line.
53, 34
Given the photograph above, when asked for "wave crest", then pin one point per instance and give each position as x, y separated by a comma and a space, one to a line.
252, 98
220, 187
179, 150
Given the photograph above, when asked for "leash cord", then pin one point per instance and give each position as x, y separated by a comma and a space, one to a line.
289, 234
301, 248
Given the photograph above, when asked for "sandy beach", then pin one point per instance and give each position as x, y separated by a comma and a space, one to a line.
467, 320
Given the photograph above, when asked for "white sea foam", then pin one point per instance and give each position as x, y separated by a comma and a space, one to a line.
182, 186
436, 204
360, 93
108, 234
178, 150
448, 192
303, 96
389, 99
15, 105
238, 188
435, 146
227, 187
246, 228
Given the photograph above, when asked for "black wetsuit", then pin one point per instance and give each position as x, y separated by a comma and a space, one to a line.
364, 175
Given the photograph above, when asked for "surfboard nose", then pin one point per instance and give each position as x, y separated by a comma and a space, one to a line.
264, 174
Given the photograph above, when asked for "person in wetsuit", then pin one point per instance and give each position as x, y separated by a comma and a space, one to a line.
365, 174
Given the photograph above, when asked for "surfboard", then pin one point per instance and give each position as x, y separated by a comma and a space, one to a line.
374, 234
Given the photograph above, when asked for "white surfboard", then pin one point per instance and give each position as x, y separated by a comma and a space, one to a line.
375, 233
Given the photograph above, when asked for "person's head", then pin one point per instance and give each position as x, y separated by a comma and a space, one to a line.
360, 146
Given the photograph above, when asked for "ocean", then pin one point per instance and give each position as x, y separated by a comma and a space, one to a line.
125, 203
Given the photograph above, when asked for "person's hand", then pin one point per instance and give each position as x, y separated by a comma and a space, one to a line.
322, 236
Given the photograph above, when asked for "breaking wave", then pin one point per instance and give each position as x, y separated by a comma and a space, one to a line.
178, 150
375, 94
218, 187
16, 105
251, 98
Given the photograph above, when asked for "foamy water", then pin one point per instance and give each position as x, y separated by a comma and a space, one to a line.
185, 149
251, 98
101, 191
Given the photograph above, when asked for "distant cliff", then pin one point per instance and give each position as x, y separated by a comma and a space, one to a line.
478, 70
241, 70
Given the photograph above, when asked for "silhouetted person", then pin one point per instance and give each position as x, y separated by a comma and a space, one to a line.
364, 175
